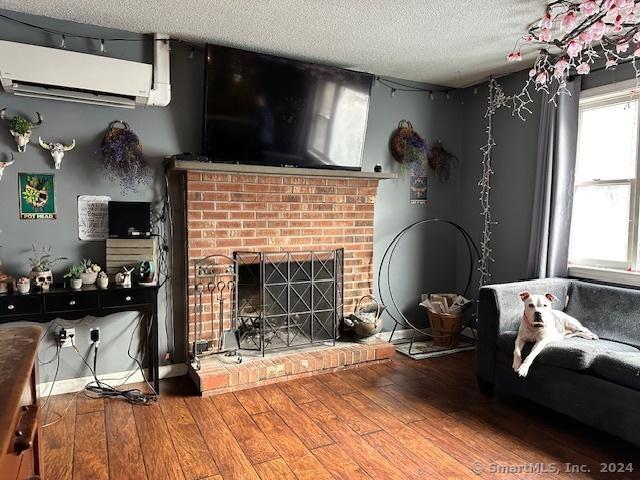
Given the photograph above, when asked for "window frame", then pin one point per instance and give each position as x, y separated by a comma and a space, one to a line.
598, 97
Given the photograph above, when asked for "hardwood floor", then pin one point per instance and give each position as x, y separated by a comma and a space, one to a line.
401, 420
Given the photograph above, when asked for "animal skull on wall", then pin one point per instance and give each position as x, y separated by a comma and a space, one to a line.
57, 150
4, 165
20, 128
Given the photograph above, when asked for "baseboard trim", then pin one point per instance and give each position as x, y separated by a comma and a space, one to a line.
73, 385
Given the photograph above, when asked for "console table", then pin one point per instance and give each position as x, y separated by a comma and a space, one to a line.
42, 307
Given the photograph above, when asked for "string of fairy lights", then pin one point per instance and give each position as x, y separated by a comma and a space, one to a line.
496, 99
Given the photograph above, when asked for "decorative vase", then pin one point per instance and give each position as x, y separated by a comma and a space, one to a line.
42, 280
103, 282
89, 278
76, 283
23, 288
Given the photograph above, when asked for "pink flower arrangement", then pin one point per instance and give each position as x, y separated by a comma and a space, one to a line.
598, 30
574, 48
589, 7
560, 67
573, 34
622, 47
583, 68
545, 35
546, 21
569, 21
542, 78
514, 57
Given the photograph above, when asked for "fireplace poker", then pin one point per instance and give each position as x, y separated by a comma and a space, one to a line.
231, 287
221, 285
211, 287
199, 289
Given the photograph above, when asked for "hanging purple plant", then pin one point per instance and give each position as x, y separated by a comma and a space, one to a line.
123, 158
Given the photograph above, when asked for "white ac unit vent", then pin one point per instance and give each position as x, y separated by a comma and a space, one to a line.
56, 74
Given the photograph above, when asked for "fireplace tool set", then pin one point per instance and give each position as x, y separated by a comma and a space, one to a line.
215, 282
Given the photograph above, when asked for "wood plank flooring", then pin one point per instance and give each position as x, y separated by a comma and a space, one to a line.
402, 420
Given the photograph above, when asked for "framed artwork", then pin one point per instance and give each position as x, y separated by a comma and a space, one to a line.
37, 196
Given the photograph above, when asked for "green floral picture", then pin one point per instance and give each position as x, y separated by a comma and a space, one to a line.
37, 196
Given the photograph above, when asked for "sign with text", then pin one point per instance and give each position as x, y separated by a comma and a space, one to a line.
37, 196
93, 217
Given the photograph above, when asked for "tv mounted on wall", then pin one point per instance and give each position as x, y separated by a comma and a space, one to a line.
267, 110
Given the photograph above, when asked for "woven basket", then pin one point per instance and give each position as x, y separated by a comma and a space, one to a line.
398, 140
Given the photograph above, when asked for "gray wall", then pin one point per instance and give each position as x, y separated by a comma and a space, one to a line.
163, 131
514, 164
425, 259
425, 262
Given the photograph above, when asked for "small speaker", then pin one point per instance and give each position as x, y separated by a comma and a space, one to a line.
129, 219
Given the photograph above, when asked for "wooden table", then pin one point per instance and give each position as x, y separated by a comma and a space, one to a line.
20, 452
43, 307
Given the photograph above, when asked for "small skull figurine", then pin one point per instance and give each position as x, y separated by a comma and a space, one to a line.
43, 280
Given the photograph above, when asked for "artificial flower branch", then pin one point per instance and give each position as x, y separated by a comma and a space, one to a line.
573, 34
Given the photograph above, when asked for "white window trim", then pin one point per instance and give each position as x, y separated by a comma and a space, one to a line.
608, 275
613, 272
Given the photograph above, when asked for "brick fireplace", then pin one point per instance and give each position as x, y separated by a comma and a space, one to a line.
277, 213
231, 212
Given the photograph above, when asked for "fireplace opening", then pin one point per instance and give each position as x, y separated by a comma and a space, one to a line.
288, 299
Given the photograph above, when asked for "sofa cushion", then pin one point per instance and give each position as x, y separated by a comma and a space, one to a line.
621, 368
573, 353
610, 312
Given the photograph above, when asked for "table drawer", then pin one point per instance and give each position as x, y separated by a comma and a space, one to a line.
122, 298
18, 305
69, 302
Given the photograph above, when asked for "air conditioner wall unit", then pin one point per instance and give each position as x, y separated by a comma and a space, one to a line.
41, 72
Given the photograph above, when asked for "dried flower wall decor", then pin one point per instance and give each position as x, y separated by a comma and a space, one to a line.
123, 157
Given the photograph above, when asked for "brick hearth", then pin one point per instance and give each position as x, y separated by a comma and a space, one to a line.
276, 213
215, 378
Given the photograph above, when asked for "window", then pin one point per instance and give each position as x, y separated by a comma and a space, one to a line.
606, 205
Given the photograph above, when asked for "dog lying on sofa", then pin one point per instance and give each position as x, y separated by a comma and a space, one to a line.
542, 325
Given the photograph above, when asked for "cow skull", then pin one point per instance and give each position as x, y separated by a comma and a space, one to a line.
57, 150
4, 165
23, 135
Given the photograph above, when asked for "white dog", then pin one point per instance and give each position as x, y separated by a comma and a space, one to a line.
543, 325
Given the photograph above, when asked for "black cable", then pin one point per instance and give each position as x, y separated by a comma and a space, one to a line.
100, 389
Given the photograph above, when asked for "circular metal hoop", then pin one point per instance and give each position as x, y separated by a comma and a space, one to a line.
390, 251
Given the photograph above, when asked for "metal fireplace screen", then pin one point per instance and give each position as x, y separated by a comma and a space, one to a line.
288, 299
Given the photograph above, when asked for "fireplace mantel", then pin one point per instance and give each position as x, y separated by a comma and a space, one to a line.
185, 165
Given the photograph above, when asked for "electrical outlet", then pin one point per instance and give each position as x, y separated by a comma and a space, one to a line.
64, 336
94, 335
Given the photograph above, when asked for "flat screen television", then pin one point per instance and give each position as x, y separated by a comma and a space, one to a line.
267, 110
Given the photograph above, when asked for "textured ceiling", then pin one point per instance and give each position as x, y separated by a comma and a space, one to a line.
448, 42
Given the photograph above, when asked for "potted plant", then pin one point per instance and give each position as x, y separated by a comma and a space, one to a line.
23, 285
75, 274
89, 271
41, 264
103, 280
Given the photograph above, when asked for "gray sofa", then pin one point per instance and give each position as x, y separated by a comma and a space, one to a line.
594, 381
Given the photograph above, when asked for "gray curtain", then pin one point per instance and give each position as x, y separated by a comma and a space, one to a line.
553, 199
